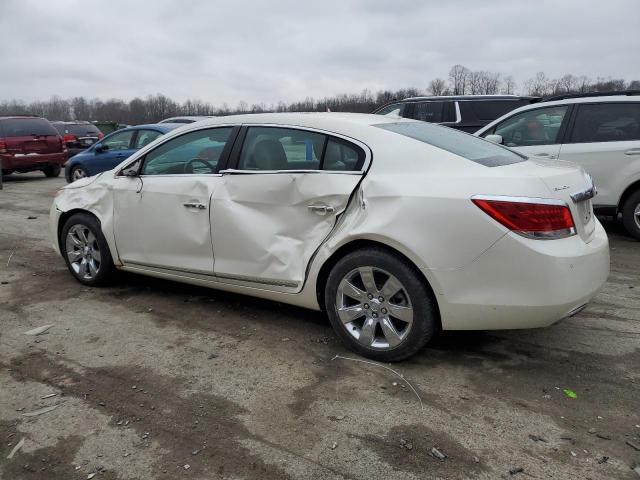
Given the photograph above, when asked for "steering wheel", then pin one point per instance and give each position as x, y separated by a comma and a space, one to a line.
188, 167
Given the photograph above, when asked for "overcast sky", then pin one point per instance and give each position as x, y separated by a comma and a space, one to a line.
271, 50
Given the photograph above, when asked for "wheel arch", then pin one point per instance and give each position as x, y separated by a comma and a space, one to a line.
66, 216
359, 244
630, 190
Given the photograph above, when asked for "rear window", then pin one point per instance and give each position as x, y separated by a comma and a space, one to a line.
83, 129
25, 127
492, 109
467, 146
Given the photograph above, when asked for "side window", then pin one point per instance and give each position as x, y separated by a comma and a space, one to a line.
271, 148
393, 109
534, 127
602, 122
194, 152
118, 141
145, 137
428, 111
342, 156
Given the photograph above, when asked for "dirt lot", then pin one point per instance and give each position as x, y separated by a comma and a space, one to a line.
160, 380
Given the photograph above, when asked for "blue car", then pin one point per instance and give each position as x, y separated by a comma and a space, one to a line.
113, 149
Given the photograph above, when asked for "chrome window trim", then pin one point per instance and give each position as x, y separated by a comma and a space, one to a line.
367, 151
458, 116
513, 199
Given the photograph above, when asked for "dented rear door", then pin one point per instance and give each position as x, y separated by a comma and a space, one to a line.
267, 226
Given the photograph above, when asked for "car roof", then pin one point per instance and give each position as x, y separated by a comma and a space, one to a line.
468, 97
11, 117
302, 119
165, 127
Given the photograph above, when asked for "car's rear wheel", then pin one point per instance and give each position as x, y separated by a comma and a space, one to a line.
379, 305
77, 173
52, 170
631, 214
86, 251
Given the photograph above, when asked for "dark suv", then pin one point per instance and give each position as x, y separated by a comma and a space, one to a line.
30, 143
78, 136
462, 112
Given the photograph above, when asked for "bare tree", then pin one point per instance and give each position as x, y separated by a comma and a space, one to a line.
459, 79
438, 87
508, 85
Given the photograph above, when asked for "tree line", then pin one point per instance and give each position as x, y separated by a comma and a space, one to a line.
460, 81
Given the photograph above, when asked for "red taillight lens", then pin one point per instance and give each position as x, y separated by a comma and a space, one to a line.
69, 138
3, 146
530, 218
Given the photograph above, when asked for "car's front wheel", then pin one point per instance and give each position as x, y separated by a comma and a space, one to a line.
631, 214
379, 305
86, 251
52, 170
77, 173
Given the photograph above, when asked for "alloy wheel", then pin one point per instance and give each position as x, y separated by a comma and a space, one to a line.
83, 252
636, 215
374, 307
78, 173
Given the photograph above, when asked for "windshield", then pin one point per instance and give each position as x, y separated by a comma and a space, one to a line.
467, 146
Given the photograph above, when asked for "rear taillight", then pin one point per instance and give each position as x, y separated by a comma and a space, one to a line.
69, 138
530, 217
3, 146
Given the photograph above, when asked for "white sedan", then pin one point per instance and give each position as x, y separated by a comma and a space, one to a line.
396, 228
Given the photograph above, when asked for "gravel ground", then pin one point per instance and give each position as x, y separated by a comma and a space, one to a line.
153, 379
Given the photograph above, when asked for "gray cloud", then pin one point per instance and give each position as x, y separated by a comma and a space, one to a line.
259, 51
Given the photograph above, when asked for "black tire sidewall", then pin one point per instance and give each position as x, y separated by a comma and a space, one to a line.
425, 321
106, 270
628, 217
52, 171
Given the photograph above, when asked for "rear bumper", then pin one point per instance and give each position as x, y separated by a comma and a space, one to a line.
524, 283
32, 161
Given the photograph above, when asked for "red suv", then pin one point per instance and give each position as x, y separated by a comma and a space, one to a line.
30, 143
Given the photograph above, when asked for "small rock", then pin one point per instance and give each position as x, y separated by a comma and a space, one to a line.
476, 459
395, 384
409, 446
592, 431
604, 459
603, 436
212, 356
126, 454
134, 387
340, 417
285, 339
633, 445
91, 475
102, 404
573, 454
334, 445
515, 471
438, 454
195, 452
186, 466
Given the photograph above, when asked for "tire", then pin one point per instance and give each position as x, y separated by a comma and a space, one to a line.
77, 173
370, 326
52, 171
631, 214
93, 265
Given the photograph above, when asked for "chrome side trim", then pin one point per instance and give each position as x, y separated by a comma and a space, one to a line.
506, 198
239, 278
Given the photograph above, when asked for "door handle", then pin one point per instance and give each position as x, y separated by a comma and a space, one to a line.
321, 209
545, 155
633, 151
197, 206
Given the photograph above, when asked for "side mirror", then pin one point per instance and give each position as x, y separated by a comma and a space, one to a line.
130, 172
99, 148
494, 138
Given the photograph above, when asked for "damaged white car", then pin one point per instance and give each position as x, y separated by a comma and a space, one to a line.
396, 228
